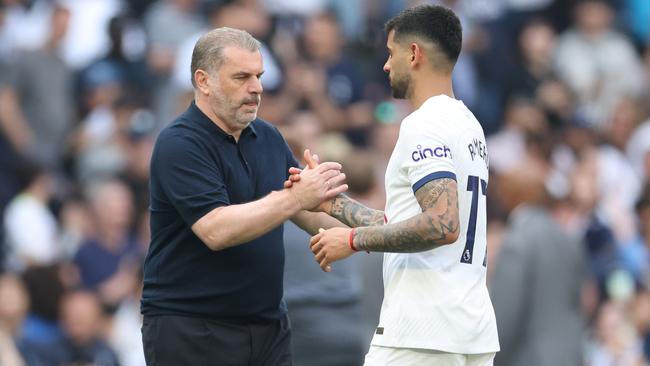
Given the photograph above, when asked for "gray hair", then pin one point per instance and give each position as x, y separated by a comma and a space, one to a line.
208, 52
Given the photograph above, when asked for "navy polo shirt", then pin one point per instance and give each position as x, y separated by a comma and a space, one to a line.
196, 167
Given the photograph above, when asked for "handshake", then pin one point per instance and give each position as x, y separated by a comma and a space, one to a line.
315, 188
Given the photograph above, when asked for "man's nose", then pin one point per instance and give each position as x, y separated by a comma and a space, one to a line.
255, 86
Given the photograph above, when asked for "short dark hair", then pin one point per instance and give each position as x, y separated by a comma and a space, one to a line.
433, 23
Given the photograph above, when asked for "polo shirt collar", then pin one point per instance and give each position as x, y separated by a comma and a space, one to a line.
195, 114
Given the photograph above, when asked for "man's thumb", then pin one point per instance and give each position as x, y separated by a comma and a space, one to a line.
310, 160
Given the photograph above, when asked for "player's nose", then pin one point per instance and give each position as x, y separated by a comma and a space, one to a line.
387, 67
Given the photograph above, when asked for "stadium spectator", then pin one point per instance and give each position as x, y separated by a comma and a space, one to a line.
124, 335
109, 260
538, 276
14, 139
110, 144
103, 95
586, 221
325, 82
126, 55
163, 39
87, 38
164, 42
536, 46
29, 209
43, 91
616, 339
76, 224
599, 63
82, 322
25, 25
14, 349
45, 286
522, 118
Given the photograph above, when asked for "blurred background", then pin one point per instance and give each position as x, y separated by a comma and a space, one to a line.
561, 88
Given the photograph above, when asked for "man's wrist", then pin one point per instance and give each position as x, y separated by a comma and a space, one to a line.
292, 200
327, 206
355, 247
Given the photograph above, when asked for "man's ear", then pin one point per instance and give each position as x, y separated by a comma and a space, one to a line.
202, 81
416, 54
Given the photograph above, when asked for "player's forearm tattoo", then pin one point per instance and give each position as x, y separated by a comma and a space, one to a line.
433, 227
353, 213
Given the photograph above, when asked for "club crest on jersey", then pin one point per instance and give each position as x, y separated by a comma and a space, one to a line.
439, 152
467, 256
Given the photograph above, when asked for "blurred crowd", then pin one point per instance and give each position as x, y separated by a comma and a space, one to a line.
562, 88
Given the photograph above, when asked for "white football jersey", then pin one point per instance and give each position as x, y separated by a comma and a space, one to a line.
438, 299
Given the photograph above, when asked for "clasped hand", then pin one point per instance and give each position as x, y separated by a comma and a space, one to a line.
330, 246
317, 184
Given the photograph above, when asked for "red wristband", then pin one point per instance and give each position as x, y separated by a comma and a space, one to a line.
351, 241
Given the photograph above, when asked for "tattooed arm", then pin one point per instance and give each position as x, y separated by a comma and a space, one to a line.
353, 213
341, 207
438, 224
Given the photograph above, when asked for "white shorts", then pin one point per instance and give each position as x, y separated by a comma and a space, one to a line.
389, 356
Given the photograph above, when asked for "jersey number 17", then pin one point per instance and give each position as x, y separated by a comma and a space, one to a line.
474, 187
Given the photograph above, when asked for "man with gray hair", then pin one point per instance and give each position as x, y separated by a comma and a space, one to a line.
213, 274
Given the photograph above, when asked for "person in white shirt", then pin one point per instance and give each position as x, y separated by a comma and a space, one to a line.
436, 308
31, 229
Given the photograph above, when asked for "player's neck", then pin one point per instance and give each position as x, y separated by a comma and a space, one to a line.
429, 85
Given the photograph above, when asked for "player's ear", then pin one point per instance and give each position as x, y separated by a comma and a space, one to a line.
416, 54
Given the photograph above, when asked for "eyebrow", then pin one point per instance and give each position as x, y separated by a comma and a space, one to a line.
244, 73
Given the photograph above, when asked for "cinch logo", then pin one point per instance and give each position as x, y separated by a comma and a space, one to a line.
440, 152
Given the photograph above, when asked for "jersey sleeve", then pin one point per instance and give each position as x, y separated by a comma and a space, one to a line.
192, 183
427, 154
